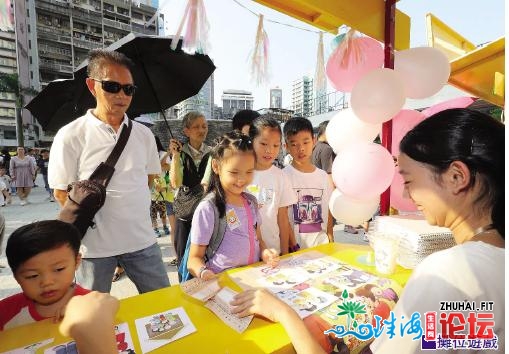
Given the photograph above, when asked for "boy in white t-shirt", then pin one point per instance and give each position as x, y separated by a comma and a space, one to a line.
310, 217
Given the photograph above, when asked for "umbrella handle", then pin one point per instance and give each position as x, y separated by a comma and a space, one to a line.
166, 121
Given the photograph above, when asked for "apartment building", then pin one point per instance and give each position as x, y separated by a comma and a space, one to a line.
276, 98
60, 34
7, 99
202, 102
302, 96
236, 100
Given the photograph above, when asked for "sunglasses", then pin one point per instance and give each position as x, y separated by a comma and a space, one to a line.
115, 87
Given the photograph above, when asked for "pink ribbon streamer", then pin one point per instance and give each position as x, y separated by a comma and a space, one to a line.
260, 57
197, 28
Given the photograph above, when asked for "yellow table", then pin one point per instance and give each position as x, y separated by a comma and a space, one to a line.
212, 335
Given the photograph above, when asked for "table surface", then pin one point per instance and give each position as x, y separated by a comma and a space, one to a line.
212, 335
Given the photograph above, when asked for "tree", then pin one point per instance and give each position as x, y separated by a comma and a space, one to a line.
10, 83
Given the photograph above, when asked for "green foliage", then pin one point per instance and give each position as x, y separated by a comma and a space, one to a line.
10, 83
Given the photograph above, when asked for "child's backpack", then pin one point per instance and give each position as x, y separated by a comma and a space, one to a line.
215, 239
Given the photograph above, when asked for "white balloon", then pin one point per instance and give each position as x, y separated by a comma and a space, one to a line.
351, 211
424, 71
345, 128
378, 96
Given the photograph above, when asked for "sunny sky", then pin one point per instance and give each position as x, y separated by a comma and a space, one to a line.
293, 51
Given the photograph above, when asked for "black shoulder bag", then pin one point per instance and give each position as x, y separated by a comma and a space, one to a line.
86, 197
187, 198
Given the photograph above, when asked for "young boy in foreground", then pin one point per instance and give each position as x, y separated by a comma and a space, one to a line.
43, 257
310, 219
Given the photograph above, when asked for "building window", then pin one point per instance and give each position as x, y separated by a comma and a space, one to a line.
29, 44
31, 75
28, 13
30, 59
28, 27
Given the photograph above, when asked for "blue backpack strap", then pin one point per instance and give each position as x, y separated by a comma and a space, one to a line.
215, 240
217, 234
185, 274
219, 229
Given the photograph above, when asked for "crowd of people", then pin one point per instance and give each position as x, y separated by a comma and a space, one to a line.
230, 205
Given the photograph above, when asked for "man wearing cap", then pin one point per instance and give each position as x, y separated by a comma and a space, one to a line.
123, 230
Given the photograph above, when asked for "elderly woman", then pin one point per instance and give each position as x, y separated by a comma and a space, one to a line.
22, 168
453, 167
189, 164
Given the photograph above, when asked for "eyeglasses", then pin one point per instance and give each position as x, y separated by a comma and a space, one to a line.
115, 87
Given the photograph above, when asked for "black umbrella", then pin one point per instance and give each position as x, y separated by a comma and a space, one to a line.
163, 77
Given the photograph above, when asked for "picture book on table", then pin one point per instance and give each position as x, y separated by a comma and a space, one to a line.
318, 286
122, 334
217, 300
30, 348
159, 329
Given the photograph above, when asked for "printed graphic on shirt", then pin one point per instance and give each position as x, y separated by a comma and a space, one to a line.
232, 220
263, 195
307, 213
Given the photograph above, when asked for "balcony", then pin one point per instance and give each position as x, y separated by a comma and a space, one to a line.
54, 29
47, 34
117, 25
7, 53
53, 6
118, 2
89, 9
44, 48
147, 9
142, 29
123, 14
86, 15
55, 67
86, 44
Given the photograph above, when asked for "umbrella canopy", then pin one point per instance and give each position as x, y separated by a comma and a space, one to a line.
58, 104
163, 77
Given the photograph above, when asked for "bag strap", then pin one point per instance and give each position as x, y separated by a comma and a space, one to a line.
104, 172
218, 231
250, 225
120, 145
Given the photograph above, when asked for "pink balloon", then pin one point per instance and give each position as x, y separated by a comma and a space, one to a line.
405, 120
424, 71
345, 69
398, 200
458, 102
378, 96
363, 170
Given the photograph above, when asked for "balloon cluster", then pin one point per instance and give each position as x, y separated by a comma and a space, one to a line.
362, 169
